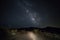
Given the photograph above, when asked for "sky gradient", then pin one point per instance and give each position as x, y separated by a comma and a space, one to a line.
30, 13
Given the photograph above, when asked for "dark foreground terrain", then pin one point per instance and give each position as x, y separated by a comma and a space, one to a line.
30, 33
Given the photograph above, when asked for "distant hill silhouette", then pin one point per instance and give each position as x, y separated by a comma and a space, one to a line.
47, 29
52, 29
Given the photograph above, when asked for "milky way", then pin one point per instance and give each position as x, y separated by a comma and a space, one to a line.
30, 13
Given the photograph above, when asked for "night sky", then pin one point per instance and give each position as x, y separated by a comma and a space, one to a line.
30, 13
